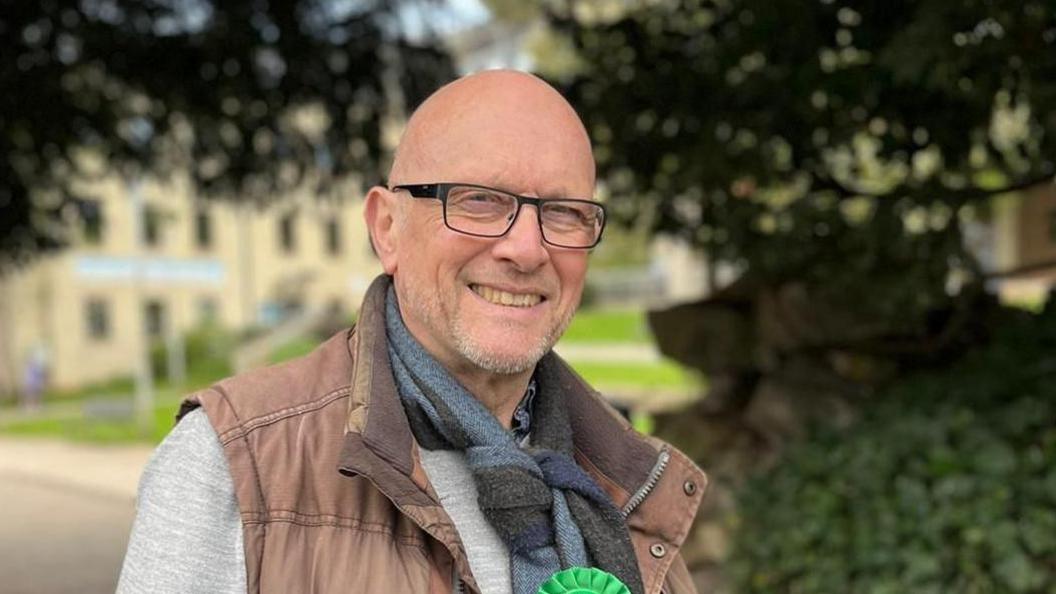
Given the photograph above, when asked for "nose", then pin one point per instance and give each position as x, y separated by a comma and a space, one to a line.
523, 243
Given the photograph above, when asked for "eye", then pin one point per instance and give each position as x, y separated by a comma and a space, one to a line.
479, 202
481, 196
571, 213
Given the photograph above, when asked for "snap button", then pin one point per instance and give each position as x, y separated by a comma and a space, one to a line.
689, 487
658, 550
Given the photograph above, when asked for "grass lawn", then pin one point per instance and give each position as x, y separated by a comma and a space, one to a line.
111, 421
608, 325
662, 376
589, 326
114, 387
297, 347
103, 413
102, 429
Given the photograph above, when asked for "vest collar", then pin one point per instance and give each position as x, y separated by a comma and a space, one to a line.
377, 428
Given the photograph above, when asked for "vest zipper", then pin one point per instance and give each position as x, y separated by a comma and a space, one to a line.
649, 484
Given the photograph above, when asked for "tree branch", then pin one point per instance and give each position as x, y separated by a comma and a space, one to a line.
1027, 269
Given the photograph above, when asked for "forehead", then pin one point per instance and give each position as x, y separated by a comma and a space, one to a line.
515, 160
526, 143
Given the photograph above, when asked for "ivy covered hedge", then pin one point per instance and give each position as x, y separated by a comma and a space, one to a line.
947, 484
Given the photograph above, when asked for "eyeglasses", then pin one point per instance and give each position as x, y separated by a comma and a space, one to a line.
486, 212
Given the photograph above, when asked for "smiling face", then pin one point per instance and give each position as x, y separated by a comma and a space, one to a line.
491, 304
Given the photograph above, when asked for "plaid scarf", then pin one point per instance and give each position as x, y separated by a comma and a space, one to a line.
547, 510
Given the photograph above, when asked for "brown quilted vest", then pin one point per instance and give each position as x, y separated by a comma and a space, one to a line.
333, 497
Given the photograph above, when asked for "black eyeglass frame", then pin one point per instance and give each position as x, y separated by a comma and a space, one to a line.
440, 191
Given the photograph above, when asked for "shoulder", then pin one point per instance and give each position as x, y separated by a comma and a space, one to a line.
190, 451
187, 531
265, 396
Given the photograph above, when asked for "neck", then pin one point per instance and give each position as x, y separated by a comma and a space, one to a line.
499, 393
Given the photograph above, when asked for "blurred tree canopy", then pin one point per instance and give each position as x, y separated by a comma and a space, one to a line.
827, 141
839, 154
926, 493
248, 96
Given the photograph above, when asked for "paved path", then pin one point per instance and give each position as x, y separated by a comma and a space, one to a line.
66, 509
65, 512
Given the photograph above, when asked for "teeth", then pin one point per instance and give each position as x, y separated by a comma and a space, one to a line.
503, 298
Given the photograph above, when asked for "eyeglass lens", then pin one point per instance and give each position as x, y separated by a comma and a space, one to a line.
490, 213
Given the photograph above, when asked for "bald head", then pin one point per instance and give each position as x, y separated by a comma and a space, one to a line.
497, 127
487, 307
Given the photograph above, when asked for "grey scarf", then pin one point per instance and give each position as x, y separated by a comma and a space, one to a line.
547, 510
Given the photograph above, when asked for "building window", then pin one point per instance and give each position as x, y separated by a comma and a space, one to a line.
97, 316
151, 226
333, 237
92, 218
155, 318
203, 230
287, 234
207, 311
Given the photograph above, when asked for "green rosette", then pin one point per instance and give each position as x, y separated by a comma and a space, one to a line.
583, 580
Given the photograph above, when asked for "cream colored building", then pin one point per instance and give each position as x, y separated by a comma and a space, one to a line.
1024, 230
195, 262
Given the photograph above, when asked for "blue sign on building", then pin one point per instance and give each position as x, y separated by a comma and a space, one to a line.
157, 270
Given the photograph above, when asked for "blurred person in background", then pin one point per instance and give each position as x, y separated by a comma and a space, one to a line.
440, 445
35, 378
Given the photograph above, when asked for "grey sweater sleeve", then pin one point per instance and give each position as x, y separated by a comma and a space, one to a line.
187, 535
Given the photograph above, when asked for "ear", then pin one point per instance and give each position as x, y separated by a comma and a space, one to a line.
380, 213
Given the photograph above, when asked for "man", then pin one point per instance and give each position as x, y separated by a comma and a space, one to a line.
440, 446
